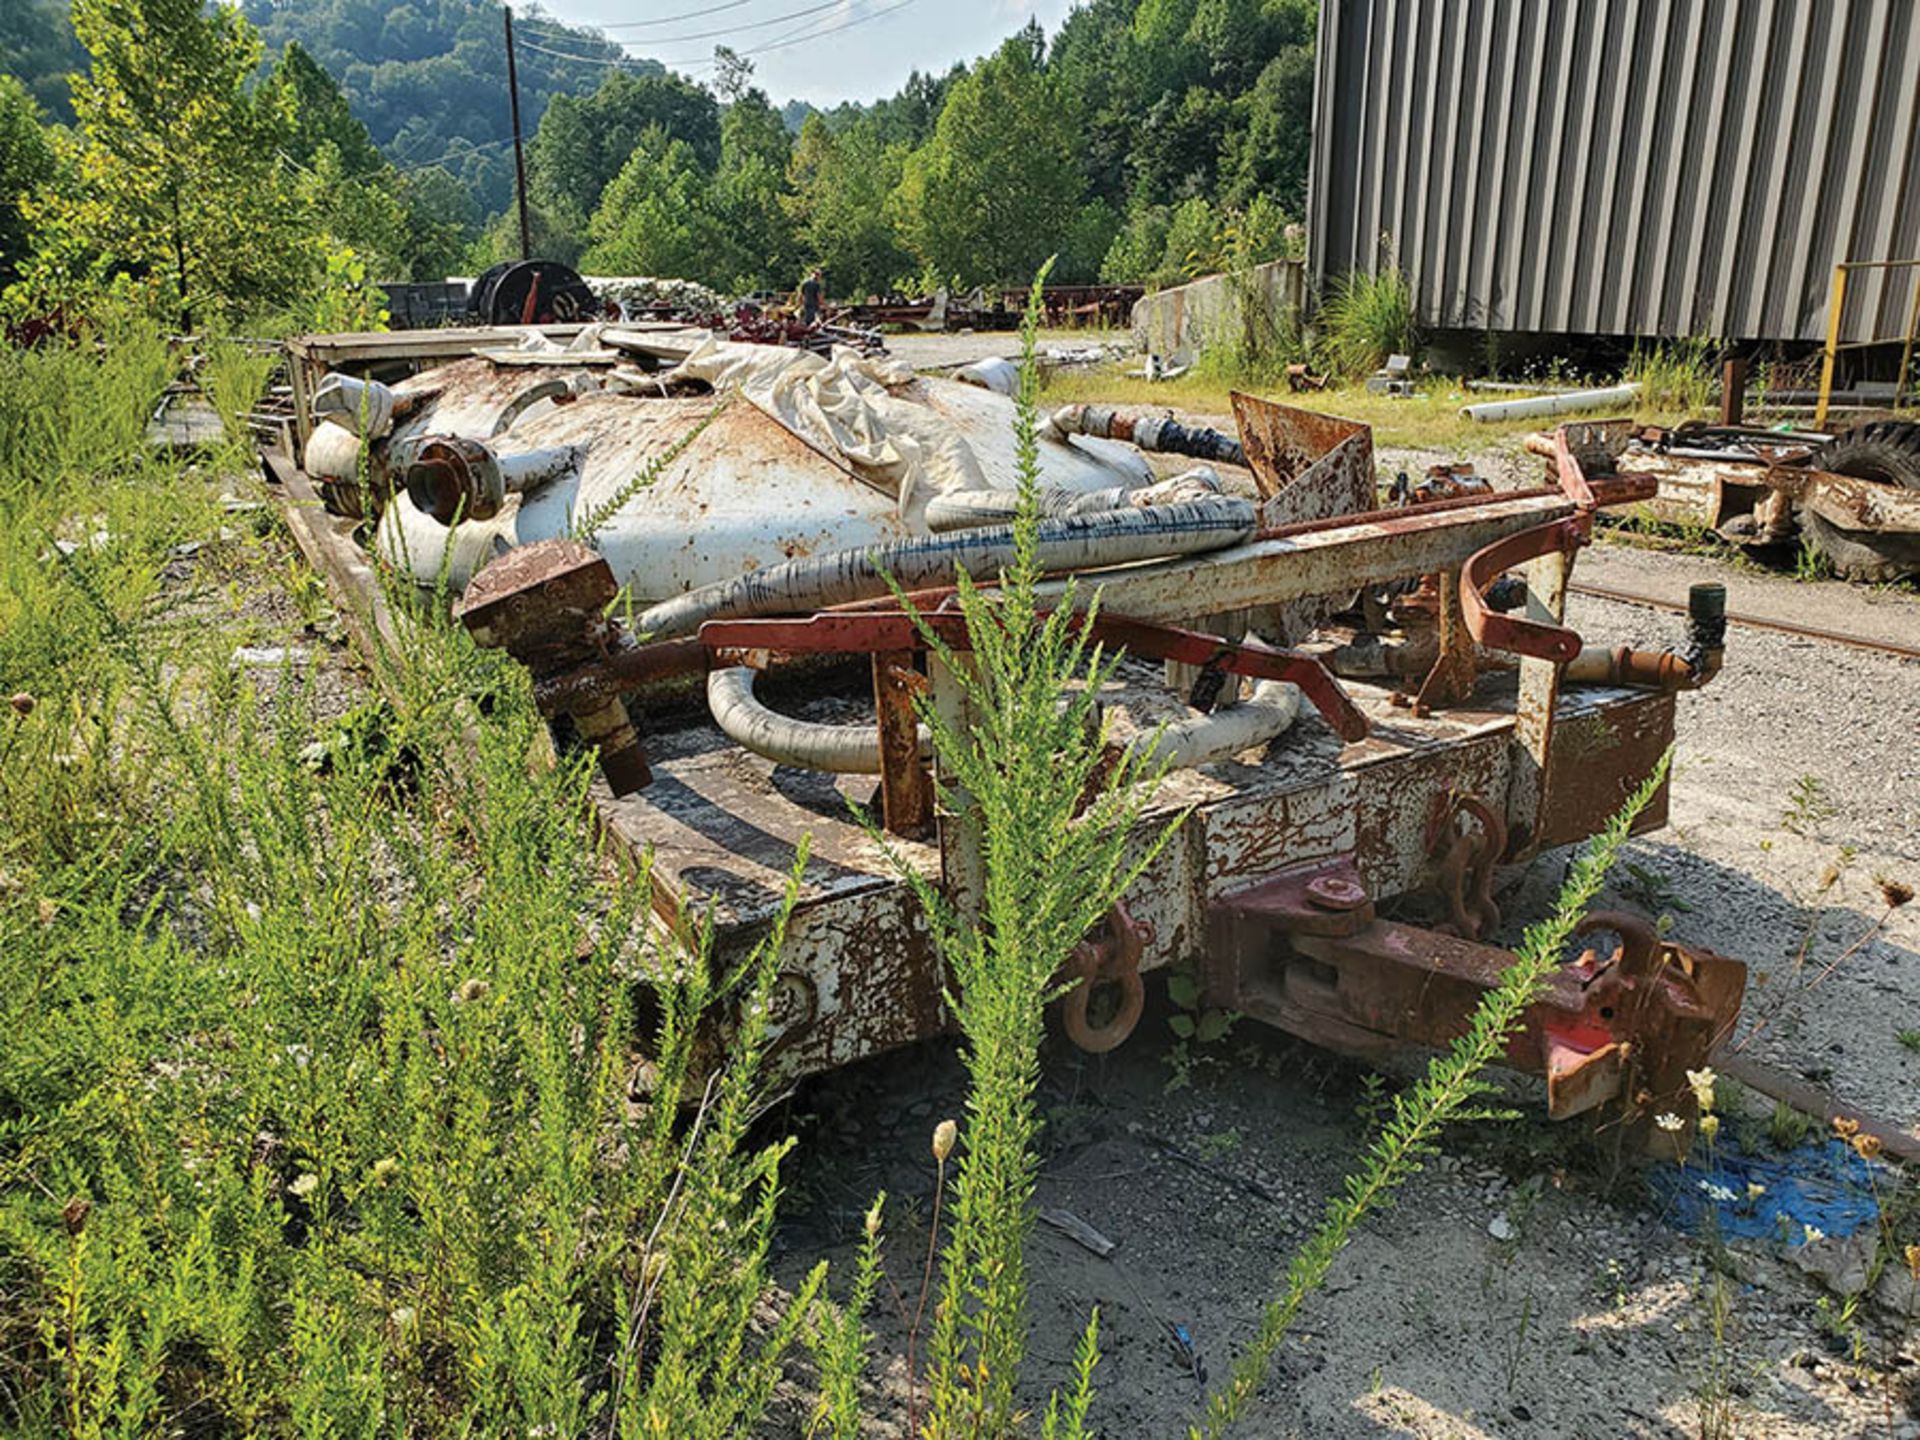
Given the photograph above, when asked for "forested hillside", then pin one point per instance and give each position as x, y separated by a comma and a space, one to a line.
1146, 140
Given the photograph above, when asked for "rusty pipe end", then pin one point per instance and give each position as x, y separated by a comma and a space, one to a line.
453, 478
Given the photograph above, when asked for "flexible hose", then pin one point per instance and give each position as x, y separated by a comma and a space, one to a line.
972, 509
1075, 542
1265, 715
838, 749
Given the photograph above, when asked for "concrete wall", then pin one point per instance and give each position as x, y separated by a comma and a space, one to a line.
1182, 320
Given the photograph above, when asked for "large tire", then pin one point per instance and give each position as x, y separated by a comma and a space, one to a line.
1886, 452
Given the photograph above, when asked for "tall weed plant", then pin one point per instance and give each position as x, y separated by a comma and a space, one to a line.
1364, 319
325, 1105
1058, 849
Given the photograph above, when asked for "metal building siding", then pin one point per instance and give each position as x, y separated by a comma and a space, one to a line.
1625, 167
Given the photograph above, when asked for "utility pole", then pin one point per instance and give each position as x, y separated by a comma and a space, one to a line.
519, 154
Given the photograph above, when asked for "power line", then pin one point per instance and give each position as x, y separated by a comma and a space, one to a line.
704, 62
622, 60
725, 30
673, 19
814, 34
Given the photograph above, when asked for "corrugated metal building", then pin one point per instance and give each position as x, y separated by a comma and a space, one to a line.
1623, 167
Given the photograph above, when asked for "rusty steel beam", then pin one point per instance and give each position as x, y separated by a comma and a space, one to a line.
906, 784
1320, 558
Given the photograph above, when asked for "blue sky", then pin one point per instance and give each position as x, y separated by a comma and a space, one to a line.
843, 50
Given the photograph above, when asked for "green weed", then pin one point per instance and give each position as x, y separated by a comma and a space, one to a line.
1364, 319
1677, 376
1023, 761
1808, 805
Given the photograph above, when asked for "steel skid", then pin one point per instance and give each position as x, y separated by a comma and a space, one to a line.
1389, 798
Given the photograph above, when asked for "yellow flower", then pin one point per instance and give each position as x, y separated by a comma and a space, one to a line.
1913, 1262
1755, 1190
1709, 1126
1702, 1083
1845, 1129
1866, 1146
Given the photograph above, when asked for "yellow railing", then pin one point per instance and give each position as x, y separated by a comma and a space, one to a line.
1836, 300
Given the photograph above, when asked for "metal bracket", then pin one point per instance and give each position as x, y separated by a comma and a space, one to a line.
1515, 633
1110, 957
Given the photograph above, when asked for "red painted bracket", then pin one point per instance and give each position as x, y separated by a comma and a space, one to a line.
1515, 633
856, 632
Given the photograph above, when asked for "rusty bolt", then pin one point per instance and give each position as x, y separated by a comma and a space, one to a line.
1335, 892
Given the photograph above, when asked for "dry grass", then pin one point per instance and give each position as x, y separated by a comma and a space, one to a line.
1429, 420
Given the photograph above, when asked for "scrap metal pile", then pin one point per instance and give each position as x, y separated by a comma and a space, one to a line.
1369, 710
1854, 497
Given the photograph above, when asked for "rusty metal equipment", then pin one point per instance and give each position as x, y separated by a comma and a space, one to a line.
1275, 887
1854, 496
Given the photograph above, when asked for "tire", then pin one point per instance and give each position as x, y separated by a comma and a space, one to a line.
1886, 452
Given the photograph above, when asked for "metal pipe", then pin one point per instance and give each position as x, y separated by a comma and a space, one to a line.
1687, 669
1076, 542
451, 477
1571, 403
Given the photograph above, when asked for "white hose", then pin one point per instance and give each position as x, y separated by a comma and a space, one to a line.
808, 744
971, 509
1076, 542
1264, 716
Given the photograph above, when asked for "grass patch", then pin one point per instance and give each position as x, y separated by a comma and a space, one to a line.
1428, 420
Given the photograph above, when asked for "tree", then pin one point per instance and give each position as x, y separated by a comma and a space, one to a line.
840, 184
38, 48
655, 219
428, 77
990, 195
320, 115
439, 224
348, 187
750, 193
1270, 144
1177, 153
583, 141
26, 164
181, 180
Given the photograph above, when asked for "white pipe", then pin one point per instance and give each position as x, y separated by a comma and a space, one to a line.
808, 744
1074, 542
1570, 403
1265, 715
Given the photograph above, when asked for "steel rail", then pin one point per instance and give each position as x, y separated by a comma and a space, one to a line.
1752, 622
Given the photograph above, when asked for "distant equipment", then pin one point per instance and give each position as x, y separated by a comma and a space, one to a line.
531, 292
